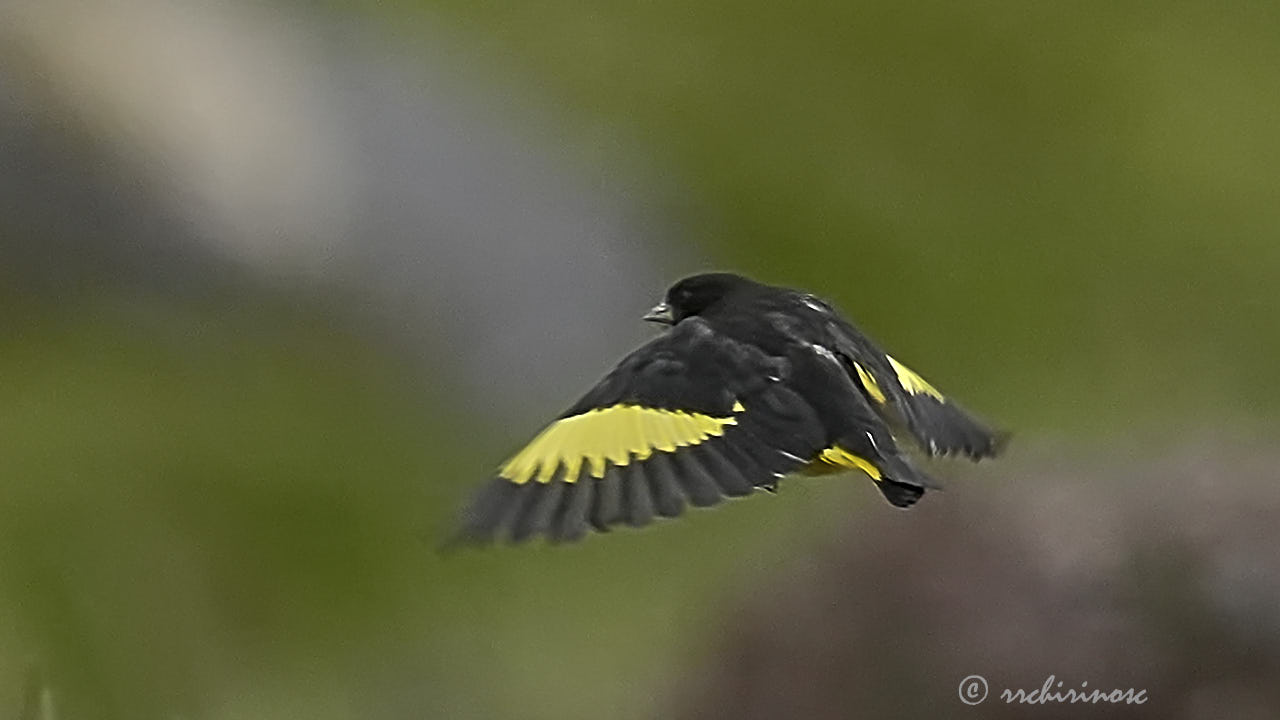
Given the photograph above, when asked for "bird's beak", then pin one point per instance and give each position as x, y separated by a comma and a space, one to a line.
661, 313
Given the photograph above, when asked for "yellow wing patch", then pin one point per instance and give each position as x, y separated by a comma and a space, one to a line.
868, 382
835, 459
616, 434
913, 383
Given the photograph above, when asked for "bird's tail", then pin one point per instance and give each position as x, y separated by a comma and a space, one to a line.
902, 482
899, 494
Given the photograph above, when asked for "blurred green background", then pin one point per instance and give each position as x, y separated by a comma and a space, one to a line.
224, 473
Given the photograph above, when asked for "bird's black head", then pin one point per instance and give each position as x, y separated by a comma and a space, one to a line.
695, 295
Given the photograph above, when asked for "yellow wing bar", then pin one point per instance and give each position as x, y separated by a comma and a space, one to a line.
836, 458
868, 382
616, 434
913, 383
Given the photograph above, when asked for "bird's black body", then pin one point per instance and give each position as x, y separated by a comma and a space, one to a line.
750, 383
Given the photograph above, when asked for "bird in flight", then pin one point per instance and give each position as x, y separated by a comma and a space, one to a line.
748, 384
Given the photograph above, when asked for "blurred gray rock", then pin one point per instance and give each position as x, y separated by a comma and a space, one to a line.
1119, 574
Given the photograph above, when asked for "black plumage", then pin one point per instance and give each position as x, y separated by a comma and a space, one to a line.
699, 485
570, 520
637, 501
606, 499
749, 384
728, 478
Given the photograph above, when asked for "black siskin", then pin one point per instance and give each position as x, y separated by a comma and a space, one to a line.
750, 383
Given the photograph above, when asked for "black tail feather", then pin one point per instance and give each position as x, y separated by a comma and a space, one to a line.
900, 494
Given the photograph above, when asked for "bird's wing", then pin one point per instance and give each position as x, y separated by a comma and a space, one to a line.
690, 417
939, 426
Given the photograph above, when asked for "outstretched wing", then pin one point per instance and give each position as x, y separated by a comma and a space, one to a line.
689, 418
939, 425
